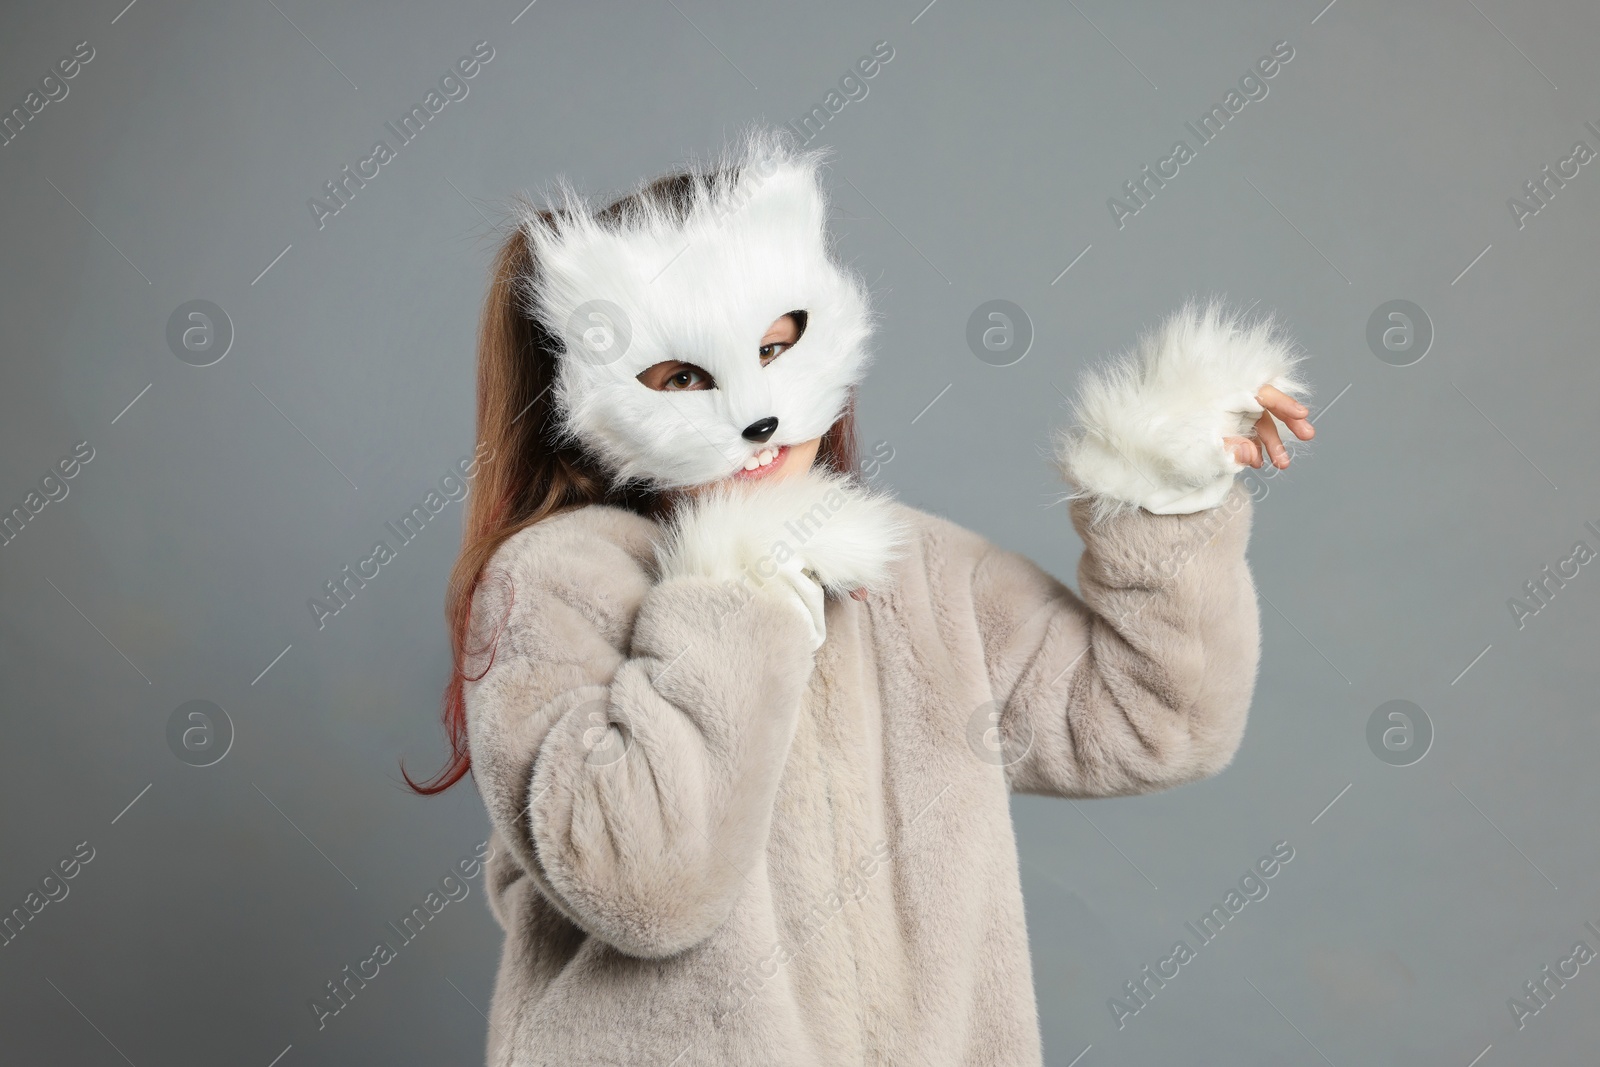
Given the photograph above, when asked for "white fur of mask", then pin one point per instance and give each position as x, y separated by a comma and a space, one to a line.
624, 296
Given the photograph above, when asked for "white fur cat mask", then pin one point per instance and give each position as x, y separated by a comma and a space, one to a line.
701, 282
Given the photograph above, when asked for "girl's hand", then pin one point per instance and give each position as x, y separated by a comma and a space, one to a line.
1293, 413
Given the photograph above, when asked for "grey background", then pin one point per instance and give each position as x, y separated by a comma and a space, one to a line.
978, 167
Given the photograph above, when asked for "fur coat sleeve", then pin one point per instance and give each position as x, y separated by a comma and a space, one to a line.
627, 733
1142, 683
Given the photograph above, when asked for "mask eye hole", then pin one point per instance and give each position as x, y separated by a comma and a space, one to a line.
782, 335
676, 376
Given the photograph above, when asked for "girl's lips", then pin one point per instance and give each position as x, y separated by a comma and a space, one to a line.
763, 470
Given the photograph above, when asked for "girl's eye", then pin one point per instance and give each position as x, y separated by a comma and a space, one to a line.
675, 376
687, 378
782, 336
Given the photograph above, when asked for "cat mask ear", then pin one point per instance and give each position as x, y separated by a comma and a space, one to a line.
696, 268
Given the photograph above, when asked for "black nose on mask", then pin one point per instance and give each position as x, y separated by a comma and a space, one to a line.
761, 430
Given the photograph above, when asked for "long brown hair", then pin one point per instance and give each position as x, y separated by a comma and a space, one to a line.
531, 470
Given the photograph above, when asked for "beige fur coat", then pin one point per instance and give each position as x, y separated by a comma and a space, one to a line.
786, 857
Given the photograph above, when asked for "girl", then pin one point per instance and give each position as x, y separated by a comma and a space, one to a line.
745, 730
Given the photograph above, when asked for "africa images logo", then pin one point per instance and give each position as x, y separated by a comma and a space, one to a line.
453, 487
452, 87
1252, 86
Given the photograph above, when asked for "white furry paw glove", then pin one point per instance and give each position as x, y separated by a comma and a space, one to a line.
1151, 424
809, 595
808, 535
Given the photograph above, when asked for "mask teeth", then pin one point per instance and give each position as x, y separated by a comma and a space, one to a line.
760, 459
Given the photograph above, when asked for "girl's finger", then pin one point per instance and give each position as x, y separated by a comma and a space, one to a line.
1244, 450
1268, 430
1301, 428
1289, 410
1281, 404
